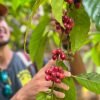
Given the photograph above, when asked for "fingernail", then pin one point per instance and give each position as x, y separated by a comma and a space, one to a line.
67, 88
68, 74
63, 95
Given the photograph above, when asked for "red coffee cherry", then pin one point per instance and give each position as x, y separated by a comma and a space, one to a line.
77, 5
62, 56
54, 57
57, 80
62, 76
53, 74
48, 77
69, 1
54, 52
55, 69
47, 71
58, 26
58, 51
58, 75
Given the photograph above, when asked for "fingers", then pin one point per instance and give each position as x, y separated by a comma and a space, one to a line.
62, 86
67, 74
49, 64
58, 85
47, 83
58, 94
45, 89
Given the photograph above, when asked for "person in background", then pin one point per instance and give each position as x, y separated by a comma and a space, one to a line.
19, 79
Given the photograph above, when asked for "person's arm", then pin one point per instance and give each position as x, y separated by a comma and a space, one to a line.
39, 84
77, 65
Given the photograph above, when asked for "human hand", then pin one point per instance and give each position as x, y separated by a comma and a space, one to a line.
39, 84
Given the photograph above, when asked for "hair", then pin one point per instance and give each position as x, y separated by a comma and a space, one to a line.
1, 18
3, 10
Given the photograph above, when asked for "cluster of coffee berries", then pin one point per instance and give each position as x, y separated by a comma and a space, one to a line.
55, 74
77, 3
68, 23
58, 54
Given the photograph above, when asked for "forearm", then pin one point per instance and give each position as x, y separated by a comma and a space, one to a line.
77, 65
18, 96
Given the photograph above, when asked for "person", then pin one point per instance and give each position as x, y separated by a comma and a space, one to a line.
18, 79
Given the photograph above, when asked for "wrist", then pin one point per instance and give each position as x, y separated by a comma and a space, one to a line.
20, 95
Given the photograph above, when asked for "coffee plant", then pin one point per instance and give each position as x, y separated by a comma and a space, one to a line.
72, 20
72, 23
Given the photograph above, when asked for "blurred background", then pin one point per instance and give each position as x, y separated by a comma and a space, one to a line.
17, 18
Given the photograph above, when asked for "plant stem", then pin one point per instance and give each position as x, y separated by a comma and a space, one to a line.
52, 91
60, 40
26, 34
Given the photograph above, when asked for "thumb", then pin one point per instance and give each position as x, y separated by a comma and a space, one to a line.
49, 64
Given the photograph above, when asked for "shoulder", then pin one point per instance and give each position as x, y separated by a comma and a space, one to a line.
24, 57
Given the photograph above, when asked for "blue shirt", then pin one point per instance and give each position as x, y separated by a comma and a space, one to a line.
19, 74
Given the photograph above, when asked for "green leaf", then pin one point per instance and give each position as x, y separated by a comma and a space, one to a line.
1, 1
56, 38
15, 4
62, 64
80, 31
36, 5
96, 38
57, 6
90, 81
38, 41
95, 53
41, 96
92, 7
40, 51
22, 2
71, 93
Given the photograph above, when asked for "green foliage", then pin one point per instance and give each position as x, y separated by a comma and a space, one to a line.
71, 93
57, 9
79, 33
36, 5
1, 1
38, 41
95, 53
41, 96
90, 81
21, 9
17, 3
56, 38
96, 38
92, 7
